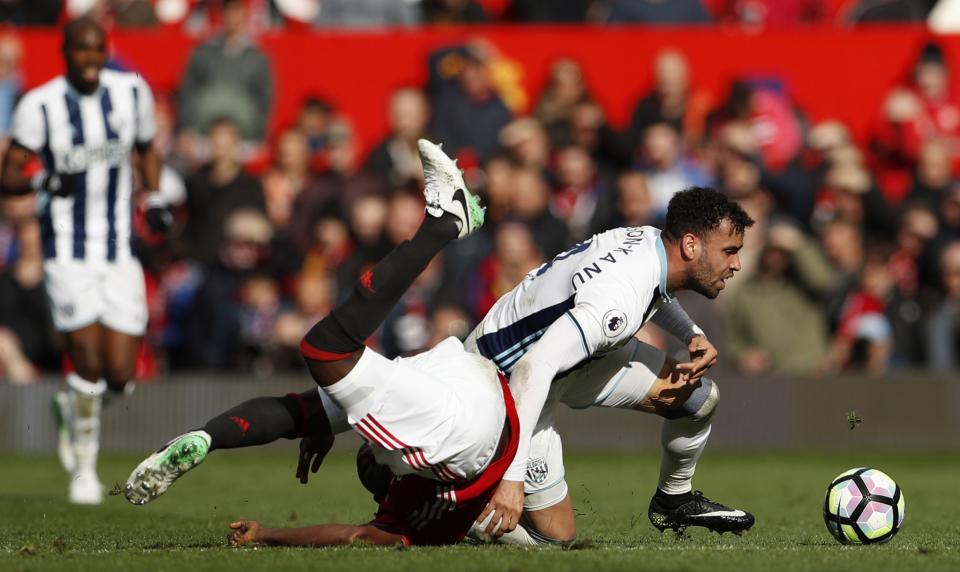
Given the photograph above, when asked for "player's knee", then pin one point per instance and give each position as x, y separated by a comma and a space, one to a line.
87, 364
118, 372
701, 403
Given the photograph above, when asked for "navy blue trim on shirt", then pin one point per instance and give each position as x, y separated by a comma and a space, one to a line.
79, 191
506, 346
48, 238
113, 177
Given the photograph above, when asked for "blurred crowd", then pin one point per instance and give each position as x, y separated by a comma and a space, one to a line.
854, 264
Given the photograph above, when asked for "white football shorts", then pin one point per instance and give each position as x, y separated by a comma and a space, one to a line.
439, 414
621, 378
83, 292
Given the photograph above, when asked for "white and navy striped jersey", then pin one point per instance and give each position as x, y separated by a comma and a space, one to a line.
619, 278
91, 136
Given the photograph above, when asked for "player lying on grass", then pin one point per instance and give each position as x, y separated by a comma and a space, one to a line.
443, 421
565, 334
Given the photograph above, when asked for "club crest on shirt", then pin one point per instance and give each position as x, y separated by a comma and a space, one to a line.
613, 323
537, 470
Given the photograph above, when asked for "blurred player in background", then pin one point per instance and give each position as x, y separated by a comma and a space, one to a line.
84, 127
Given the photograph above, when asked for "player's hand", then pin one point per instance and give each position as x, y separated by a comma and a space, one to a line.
245, 532
703, 356
57, 184
158, 216
312, 452
504, 509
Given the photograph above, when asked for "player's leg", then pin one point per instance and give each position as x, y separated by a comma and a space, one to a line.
641, 377
254, 422
334, 345
78, 407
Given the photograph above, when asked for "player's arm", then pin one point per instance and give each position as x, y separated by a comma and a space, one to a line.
562, 347
158, 216
28, 134
674, 320
149, 164
252, 532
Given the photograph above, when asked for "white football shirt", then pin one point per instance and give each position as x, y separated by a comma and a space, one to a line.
618, 277
92, 136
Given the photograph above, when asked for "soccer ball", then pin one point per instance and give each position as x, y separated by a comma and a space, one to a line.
863, 506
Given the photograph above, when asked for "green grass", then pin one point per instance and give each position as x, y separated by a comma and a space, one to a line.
186, 529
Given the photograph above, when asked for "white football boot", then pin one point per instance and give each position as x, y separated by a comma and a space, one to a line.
446, 191
157, 472
85, 488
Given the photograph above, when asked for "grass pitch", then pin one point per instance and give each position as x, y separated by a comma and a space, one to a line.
186, 529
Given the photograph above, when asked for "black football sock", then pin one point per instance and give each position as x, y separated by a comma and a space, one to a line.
349, 325
256, 422
672, 501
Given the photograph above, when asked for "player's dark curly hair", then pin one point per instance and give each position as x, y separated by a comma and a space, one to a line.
698, 210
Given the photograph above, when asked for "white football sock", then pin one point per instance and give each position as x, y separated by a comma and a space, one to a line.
86, 399
682, 440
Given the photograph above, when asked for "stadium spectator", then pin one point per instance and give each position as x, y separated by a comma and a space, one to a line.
31, 12
336, 188
669, 99
531, 206
367, 13
287, 177
579, 191
497, 189
314, 296
565, 88
395, 157
468, 112
367, 220
788, 286
538, 11
912, 280
656, 12
27, 335
453, 12
217, 190
11, 82
634, 205
587, 127
227, 76
133, 13
760, 15
314, 121
227, 318
943, 323
888, 11
667, 170
526, 141
514, 255
864, 335
933, 176
926, 108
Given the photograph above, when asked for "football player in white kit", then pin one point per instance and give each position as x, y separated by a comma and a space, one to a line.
84, 127
442, 421
565, 334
